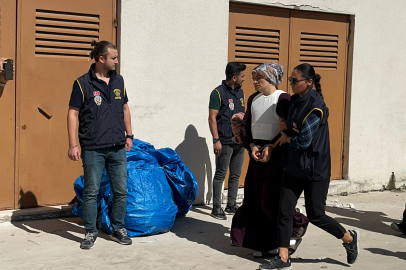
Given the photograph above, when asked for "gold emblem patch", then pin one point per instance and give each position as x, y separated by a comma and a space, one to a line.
98, 100
242, 102
231, 105
117, 92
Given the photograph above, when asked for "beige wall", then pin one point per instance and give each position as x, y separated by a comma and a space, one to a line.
173, 53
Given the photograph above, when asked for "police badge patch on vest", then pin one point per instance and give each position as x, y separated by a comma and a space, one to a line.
117, 92
97, 98
231, 104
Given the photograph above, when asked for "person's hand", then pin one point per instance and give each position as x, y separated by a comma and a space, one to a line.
74, 153
128, 144
282, 123
255, 153
266, 154
283, 139
2, 72
217, 148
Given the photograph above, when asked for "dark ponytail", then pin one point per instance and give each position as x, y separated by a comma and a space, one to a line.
307, 72
317, 85
100, 49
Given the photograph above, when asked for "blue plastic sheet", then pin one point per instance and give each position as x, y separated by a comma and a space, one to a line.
181, 179
160, 187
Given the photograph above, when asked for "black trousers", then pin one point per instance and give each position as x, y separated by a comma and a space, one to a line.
403, 224
315, 200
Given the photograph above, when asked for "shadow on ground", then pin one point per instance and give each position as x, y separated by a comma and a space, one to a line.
367, 220
63, 227
45, 220
398, 254
217, 237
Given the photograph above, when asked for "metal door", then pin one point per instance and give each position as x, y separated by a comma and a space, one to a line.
53, 48
321, 40
257, 35
7, 106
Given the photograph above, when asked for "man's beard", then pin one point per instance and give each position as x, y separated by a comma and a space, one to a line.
237, 86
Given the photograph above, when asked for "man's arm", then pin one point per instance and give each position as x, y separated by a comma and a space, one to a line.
73, 152
214, 132
127, 124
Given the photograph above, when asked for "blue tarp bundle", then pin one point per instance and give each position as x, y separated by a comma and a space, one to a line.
160, 187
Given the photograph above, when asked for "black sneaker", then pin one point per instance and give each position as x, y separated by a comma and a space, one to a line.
120, 236
353, 247
293, 248
89, 241
398, 227
218, 212
277, 263
231, 209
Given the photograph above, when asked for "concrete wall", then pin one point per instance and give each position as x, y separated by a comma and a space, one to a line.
173, 53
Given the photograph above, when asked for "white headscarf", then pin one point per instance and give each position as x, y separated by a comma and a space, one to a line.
272, 72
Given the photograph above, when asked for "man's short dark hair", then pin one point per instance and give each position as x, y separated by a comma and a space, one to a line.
234, 69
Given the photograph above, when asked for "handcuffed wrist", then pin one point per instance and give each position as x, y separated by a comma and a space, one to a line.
257, 146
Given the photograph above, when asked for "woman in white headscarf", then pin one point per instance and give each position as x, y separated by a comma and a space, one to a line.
254, 224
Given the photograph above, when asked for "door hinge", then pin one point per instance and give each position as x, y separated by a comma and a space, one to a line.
115, 23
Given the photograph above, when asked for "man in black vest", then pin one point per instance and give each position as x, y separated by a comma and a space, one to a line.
225, 101
99, 100
3, 80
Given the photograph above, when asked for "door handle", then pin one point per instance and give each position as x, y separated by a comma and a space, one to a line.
44, 112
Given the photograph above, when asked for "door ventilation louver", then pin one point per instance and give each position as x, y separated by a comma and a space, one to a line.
319, 50
65, 34
254, 46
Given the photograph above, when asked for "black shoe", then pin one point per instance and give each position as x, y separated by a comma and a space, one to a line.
89, 241
293, 248
218, 212
353, 247
120, 236
399, 227
231, 209
277, 263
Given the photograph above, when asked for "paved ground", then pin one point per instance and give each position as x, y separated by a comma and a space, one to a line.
198, 242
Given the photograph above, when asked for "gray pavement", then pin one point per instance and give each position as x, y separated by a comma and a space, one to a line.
198, 242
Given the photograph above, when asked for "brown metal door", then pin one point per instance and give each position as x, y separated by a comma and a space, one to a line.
321, 40
54, 43
7, 106
257, 35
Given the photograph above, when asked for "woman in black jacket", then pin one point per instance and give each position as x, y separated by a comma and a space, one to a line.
307, 166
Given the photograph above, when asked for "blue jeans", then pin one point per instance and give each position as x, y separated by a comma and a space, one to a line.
114, 159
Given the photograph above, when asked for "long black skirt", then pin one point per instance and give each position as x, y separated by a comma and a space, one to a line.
254, 226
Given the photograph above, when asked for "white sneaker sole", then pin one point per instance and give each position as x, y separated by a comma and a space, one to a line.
118, 241
221, 218
85, 248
